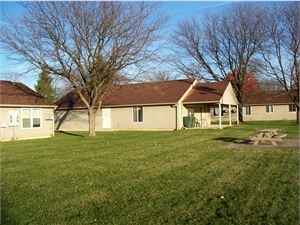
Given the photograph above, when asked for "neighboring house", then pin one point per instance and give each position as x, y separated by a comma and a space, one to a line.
268, 105
24, 114
260, 105
150, 106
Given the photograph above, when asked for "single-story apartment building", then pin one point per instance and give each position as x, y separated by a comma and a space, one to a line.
24, 114
268, 105
148, 106
261, 105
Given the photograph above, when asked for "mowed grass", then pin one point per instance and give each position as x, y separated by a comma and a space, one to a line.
150, 177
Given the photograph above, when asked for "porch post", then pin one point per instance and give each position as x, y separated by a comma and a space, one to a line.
220, 116
229, 108
179, 116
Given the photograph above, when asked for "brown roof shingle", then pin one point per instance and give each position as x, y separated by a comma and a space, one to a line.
266, 97
16, 93
163, 92
207, 92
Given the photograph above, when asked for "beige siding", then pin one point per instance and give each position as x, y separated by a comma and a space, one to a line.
76, 120
154, 117
19, 133
281, 112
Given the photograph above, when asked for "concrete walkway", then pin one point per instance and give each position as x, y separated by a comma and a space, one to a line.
286, 144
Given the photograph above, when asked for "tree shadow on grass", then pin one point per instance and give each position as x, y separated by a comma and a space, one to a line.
7, 216
68, 133
227, 139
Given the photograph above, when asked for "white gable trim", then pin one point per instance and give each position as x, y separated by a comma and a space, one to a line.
229, 97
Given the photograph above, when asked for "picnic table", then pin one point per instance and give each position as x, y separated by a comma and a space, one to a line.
266, 135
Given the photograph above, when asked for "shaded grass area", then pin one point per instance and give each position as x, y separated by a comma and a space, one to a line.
141, 177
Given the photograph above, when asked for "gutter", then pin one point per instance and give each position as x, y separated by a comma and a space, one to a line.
119, 106
206, 102
28, 106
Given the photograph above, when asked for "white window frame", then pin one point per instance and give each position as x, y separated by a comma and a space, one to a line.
269, 109
293, 107
216, 112
136, 116
31, 118
245, 111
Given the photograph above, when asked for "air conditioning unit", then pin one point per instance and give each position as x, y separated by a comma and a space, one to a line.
49, 117
225, 110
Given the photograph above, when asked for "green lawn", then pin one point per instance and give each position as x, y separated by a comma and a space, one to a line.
150, 177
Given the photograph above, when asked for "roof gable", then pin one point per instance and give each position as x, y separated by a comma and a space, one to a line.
16, 93
163, 92
207, 92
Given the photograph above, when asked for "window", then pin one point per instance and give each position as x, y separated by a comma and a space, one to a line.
292, 108
269, 109
137, 114
247, 111
31, 118
190, 111
216, 112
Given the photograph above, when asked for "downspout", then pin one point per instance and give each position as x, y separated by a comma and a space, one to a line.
176, 115
53, 121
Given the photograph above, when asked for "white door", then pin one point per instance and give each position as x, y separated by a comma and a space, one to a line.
106, 119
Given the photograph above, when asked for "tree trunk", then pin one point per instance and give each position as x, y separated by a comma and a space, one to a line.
240, 112
298, 114
92, 122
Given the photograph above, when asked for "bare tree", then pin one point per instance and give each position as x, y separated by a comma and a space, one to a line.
88, 43
221, 43
269, 84
159, 76
281, 53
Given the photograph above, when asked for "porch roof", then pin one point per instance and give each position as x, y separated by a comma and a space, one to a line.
207, 92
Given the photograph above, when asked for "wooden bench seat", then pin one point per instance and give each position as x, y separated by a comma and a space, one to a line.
279, 135
255, 136
273, 139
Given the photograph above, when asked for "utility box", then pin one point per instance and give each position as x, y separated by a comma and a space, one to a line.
189, 121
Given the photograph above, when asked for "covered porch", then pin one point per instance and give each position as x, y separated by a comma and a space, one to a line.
203, 97
203, 116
